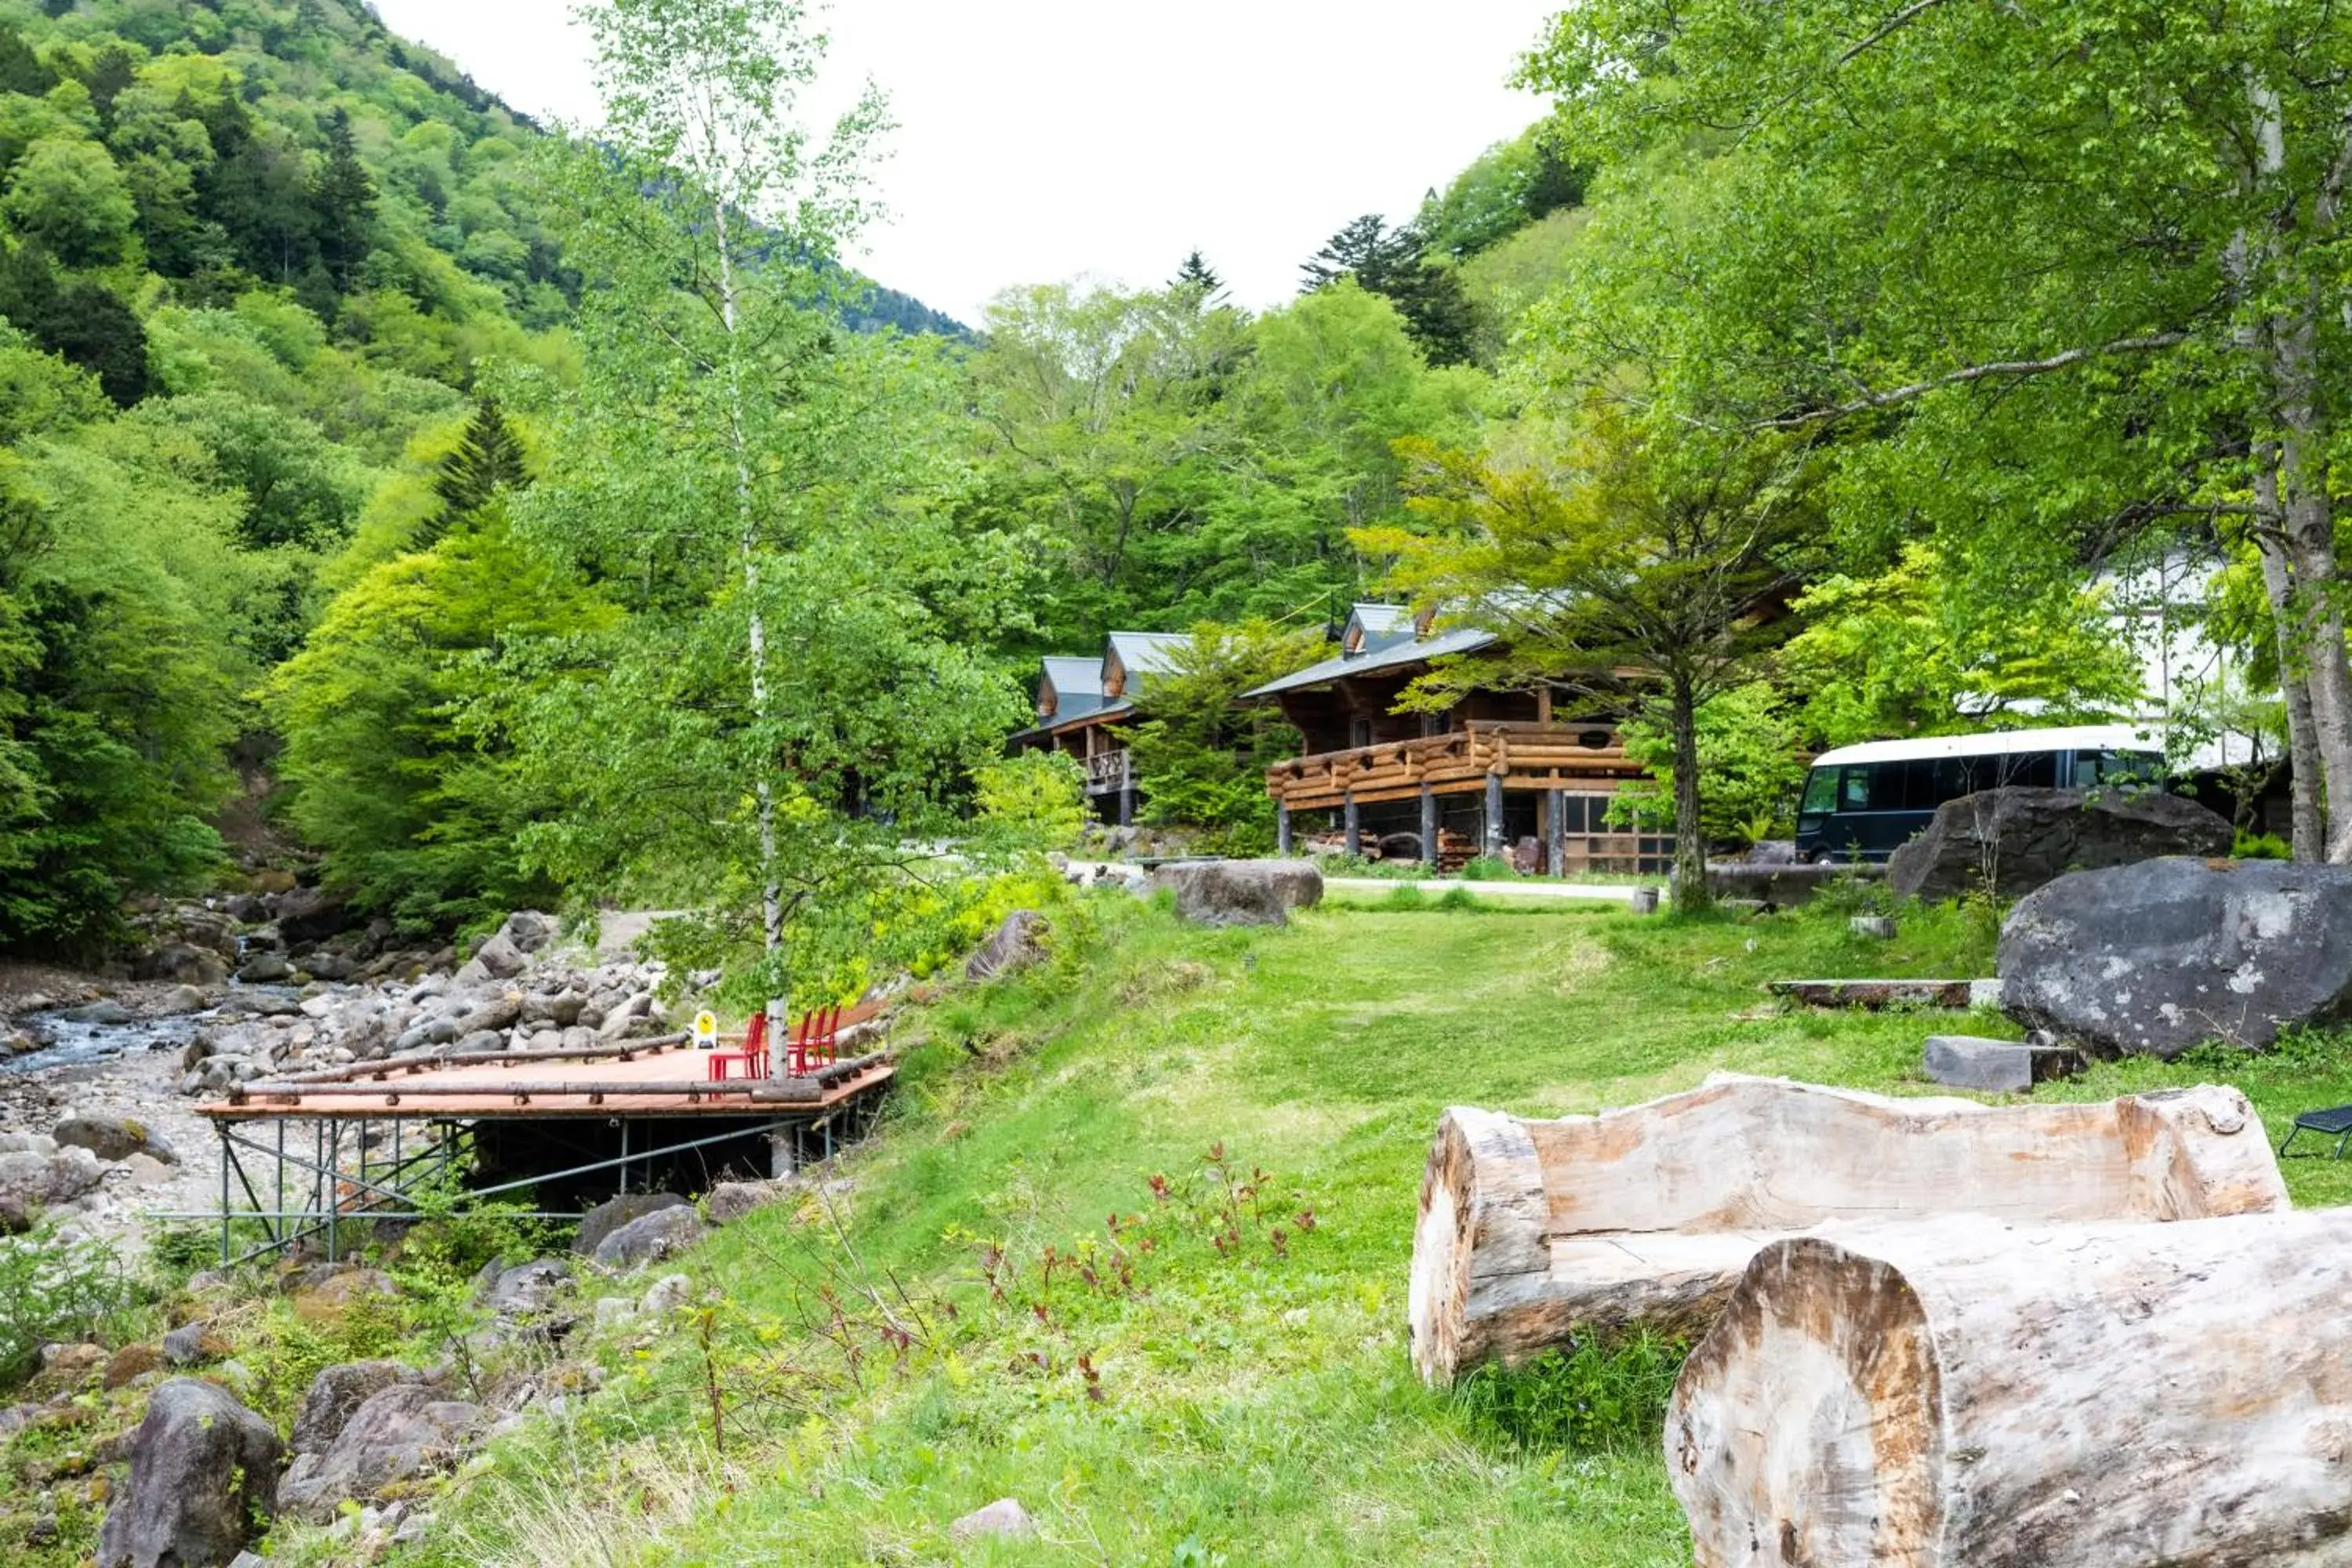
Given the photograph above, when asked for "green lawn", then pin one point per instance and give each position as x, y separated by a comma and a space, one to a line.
1243, 1408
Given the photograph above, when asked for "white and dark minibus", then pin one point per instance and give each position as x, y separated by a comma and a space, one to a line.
1865, 801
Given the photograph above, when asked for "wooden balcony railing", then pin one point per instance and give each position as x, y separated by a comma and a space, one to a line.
1525, 756
1108, 771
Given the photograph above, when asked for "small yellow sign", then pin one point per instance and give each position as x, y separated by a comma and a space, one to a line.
706, 1028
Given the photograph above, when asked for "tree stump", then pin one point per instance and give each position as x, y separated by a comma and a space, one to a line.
1645, 1216
1962, 1392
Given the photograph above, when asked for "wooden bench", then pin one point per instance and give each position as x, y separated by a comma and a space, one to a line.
1531, 1230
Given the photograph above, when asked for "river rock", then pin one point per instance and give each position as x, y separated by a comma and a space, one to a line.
181, 1000
333, 1297
497, 959
314, 914
202, 1467
526, 1290
613, 1213
193, 1344
399, 1434
110, 1137
108, 1011
529, 931
40, 1181
1017, 943
657, 1236
730, 1201
333, 1394
1241, 892
182, 962
264, 969
2013, 840
1005, 1518
2154, 958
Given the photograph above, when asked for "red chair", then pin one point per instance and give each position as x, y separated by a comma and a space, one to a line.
753, 1055
812, 1042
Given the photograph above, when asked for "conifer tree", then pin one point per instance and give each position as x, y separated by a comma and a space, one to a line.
343, 198
487, 460
1197, 276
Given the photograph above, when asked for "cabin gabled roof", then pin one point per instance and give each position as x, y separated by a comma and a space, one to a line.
1076, 684
1393, 652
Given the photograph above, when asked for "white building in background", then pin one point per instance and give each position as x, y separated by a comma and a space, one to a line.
2194, 690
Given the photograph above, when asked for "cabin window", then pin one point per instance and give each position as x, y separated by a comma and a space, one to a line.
1359, 731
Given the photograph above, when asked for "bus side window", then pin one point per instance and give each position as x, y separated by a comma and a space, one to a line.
2031, 769
1856, 794
1953, 779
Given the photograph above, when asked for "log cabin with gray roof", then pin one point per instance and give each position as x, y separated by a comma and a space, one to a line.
1503, 769
1082, 700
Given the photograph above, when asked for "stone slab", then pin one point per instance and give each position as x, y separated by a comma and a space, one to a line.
1996, 1067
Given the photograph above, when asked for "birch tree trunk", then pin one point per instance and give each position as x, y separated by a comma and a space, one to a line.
2288, 343
2304, 767
1529, 1231
1963, 1393
771, 903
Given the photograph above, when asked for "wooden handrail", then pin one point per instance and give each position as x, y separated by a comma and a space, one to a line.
1413, 749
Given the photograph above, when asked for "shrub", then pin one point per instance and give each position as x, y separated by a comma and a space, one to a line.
1035, 801
2261, 846
1489, 868
52, 1290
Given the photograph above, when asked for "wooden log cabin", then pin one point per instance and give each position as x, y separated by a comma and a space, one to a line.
1498, 768
1081, 703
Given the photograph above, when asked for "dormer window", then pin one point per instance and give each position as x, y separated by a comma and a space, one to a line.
1355, 642
1048, 700
1114, 677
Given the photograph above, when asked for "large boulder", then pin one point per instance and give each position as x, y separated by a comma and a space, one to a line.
403, 1432
314, 914
1015, 944
660, 1235
35, 1180
2013, 840
523, 1289
184, 962
2151, 959
497, 959
202, 1469
112, 1137
1241, 892
613, 1213
334, 1394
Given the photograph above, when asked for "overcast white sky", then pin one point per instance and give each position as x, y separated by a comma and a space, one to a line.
1043, 139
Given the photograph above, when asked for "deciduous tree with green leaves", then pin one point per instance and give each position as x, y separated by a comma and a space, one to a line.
2076, 271
1643, 565
799, 687
1201, 755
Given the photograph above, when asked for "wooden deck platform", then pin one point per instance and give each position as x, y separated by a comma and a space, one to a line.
668, 1077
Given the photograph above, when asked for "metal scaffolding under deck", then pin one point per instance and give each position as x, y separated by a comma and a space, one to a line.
413, 1138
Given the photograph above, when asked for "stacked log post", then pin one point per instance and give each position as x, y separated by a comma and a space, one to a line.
1530, 1230
1964, 1393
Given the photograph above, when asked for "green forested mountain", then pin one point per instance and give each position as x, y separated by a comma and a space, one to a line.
256, 258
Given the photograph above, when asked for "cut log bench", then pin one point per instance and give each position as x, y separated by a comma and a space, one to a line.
1531, 1230
1961, 1394
1876, 996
